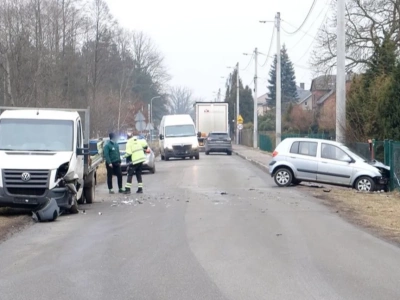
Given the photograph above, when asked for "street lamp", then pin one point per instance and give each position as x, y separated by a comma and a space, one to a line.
151, 116
151, 108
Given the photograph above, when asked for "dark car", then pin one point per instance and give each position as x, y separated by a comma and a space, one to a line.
218, 142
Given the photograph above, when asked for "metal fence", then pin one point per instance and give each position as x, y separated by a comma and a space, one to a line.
267, 140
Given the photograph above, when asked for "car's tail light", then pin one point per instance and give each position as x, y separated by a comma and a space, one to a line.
275, 153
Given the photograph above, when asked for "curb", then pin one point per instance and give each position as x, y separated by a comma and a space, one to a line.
254, 162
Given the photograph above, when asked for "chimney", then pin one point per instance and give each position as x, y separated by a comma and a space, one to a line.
302, 85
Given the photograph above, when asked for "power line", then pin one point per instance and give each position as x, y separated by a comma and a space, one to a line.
314, 38
270, 47
251, 59
312, 24
305, 20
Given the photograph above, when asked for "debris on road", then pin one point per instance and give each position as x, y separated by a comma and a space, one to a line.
100, 213
49, 212
129, 202
224, 193
278, 234
327, 190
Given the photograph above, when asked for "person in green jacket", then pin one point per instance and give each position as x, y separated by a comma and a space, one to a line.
135, 153
113, 163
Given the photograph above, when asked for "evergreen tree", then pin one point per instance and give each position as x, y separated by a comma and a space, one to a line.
288, 80
246, 100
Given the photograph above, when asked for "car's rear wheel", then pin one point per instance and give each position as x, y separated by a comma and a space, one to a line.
207, 152
365, 184
166, 158
283, 177
229, 152
197, 157
162, 157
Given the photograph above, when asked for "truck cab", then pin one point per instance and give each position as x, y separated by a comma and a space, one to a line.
38, 148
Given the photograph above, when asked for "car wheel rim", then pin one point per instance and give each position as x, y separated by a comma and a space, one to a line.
282, 177
364, 185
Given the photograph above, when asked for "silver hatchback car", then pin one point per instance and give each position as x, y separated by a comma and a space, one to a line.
324, 161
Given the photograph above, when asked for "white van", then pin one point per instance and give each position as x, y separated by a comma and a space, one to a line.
178, 137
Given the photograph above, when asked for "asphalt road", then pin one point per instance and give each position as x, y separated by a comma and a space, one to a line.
190, 240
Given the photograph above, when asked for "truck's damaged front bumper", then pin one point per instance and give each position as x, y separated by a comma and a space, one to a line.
35, 202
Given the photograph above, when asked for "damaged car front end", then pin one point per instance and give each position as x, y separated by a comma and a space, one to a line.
381, 182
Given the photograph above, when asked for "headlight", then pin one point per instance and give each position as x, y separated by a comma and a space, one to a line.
62, 171
194, 146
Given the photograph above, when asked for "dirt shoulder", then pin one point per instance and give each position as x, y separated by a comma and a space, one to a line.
378, 213
12, 221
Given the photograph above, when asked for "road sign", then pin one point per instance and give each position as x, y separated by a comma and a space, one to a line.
140, 125
149, 127
239, 119
140, 117
240, 126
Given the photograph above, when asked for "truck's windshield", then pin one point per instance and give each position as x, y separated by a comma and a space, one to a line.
39, 135
179, 131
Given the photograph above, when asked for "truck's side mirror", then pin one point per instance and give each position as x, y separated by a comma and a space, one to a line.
161, 137
82, 151
199, 134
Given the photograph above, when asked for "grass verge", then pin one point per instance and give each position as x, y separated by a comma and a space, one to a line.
379, 213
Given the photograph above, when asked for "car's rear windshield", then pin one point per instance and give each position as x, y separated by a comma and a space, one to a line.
219, 134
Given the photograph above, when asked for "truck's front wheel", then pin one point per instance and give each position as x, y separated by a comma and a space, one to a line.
90, 194
74, 208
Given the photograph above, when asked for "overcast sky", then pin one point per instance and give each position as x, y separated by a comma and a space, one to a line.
200, 39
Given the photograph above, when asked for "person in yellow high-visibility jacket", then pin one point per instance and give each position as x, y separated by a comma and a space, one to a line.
135, 154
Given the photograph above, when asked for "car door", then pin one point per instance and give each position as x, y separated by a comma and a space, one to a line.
334, 165
303, 156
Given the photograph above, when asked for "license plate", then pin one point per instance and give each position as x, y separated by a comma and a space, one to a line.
25, 200
220, 141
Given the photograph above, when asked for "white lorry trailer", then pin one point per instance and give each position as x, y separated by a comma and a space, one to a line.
44, 154
210, 116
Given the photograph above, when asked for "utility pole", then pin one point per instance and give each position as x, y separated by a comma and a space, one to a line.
278, 101
237, 103
255, 122
341, 73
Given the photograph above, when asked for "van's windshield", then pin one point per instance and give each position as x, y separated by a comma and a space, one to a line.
179, 131
36, 135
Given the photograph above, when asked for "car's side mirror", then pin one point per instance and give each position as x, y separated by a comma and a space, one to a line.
161, 137
82, 151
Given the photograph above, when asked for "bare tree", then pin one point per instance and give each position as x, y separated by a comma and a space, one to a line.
368, 24
180, 100
148, 59
71, 53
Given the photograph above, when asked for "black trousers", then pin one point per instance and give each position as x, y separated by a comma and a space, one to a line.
137, 170
115, 170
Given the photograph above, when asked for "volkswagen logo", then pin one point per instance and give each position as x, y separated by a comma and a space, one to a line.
25, 176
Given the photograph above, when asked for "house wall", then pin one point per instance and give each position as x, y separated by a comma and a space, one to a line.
328, 110
316, 95
307, 104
